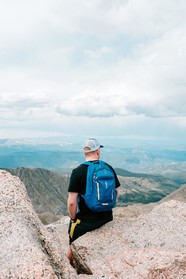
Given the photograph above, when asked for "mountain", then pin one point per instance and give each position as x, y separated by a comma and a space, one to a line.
179, 195
65, 153
48, 190
49, 159
135, 210
143, 188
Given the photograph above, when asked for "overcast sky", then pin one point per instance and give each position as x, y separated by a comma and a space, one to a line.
95, 68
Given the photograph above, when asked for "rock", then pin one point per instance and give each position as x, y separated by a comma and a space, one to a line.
28, 249
151, 246
59, 230
141, 243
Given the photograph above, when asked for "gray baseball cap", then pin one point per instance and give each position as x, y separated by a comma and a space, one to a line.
91, 145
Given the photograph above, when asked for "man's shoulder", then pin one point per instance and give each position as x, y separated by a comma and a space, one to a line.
79, 169
81, 166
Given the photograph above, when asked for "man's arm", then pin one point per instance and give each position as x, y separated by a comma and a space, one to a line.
118, 193
72, 204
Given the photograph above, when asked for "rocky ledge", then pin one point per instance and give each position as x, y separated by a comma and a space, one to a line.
150, 246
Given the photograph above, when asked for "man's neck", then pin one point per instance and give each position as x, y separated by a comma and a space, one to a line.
92, 158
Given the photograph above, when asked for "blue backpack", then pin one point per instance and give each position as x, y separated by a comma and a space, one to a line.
100, 195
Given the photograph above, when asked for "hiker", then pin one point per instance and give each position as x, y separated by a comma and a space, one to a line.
82, 218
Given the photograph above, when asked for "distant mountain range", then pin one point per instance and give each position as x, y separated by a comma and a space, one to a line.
48, 189
64, 154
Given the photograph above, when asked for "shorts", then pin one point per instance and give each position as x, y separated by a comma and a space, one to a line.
79, 227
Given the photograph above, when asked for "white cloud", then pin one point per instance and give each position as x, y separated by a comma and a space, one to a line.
114, 63
93, 106
97, 53
23, 101
111, 105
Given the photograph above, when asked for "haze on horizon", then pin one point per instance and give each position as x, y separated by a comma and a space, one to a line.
93, 68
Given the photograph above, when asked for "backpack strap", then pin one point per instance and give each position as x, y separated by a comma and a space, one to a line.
89, 177
86, 163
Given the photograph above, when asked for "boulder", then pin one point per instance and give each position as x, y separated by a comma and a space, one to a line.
148, 247
28, 249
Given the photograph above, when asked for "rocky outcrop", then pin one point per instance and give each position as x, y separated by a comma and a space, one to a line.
141, 243
47, 191
151, 246
28, 249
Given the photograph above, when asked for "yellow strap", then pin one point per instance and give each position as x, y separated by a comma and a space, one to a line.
73, 225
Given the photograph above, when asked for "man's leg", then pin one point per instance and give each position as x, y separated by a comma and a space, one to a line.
69, 254
79, 228
71, 230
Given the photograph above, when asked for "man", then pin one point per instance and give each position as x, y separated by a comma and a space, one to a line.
82, 218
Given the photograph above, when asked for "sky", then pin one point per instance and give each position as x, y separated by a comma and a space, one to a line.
94, 68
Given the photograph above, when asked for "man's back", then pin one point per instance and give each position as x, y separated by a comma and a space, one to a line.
100, 195
78, 184
83, 219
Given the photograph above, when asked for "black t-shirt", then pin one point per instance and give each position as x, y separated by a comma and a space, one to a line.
78, 185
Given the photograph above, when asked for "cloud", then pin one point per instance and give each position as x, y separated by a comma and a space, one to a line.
107, 18
108, 63
22, 107
99, 52
151, 83
92, 106
37, 98
105, 105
